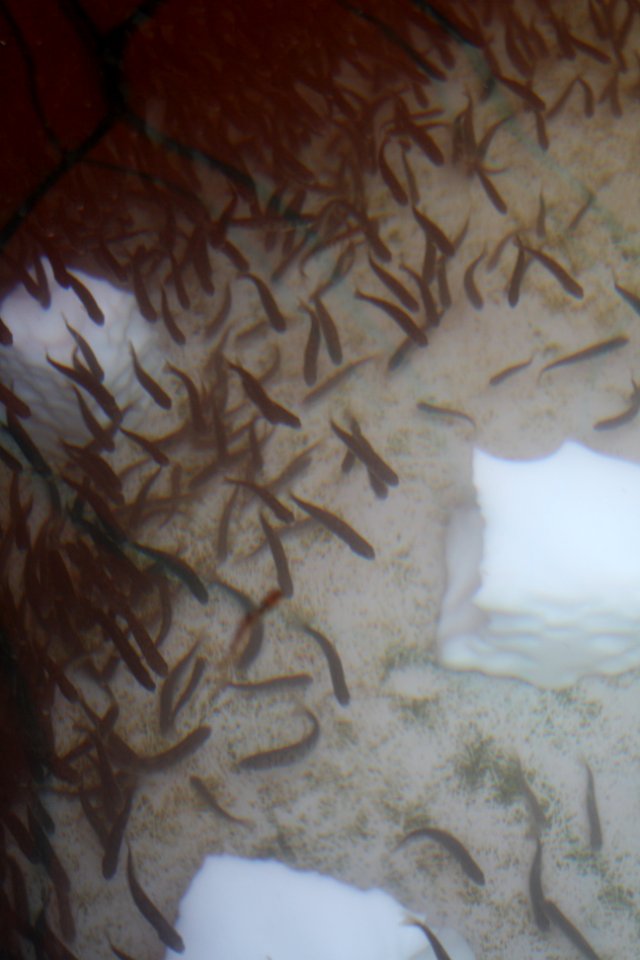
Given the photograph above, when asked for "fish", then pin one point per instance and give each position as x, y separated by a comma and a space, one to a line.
509, 372
475, 298
558, 919
222, 542
6, 336
329, 331
564, 278
519, 270
195, 406
400, 292
452, 845
271, 410
279, 510
13, 403
631, 298
283, 573
87, 299
595, 829
439, 951
168, 688
433, 231
286, 755
403, 320
587, 353
491, 191
85, 380
149, 446
275, 316
338, 527
535, 890
393, 184
205, 794
148, 384
626, 416
521, 90
311, 350
445, 412
250, 624
158, 761
336, 669
363, 450
115, 837
331, 382
169, 936
281, 682
88, 355
178, 568
190, 686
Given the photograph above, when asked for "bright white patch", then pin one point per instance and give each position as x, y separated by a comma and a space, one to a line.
549, 590
37, 332
262, 910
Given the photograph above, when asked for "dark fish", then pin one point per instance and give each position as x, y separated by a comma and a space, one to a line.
541, 229
6, 336
336, 669
277, 508
86, 381
393, 184
595, 350
282, 682
283, 573
283, 756
491, 191
13, 403
120, 954
513, 294
251, 625
509, 372
169, 686
433, 231
632, 298
521, 90
311, 350
400, 293
155, 391
403, 320
276, 319
112, 631
535, 890
170, 937
178, 568
453, 846
329, 331
565, 279
438, 950
271, 410
338, 527
87, 300
626, 416
190, 686
88, 355
334, 380
222, 543
149, 446
195, 406
205, 794
558, 919
115, 837
363, 450
595, 830
445, 412
532, 801
471, 290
